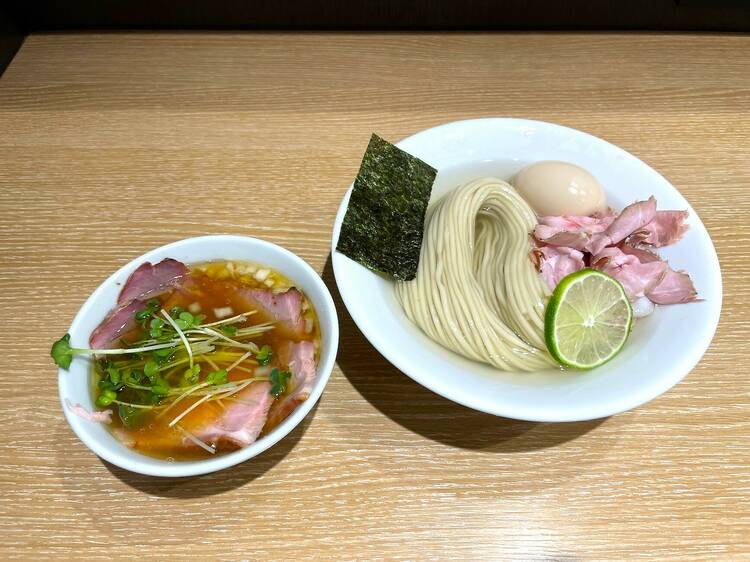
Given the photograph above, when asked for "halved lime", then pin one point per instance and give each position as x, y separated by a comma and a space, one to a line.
588, 319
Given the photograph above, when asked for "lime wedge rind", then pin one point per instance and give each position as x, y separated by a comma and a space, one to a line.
588, 319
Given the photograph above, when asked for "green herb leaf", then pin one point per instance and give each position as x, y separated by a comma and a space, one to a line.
160, 387
217, 377
142, 315
152, 306
264, 355
61, 352
384, 222
114, 374
106, 398
191, 374
130, 377
105, 384
229, 330
151, 369
163, 355
279, 380
156, 326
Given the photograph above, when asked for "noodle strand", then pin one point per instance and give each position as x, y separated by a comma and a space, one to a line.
476, 291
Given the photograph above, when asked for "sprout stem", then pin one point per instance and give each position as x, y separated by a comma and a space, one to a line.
195, 440
189, 409
232, 320
181, 334
86, 351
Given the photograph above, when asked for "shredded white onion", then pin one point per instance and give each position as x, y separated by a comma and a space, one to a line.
643, 306
308, 325
194, 307
262, 274
223, 312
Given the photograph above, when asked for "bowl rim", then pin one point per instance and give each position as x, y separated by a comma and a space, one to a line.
151, 466
687, 362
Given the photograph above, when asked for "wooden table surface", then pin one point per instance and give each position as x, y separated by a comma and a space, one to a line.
113, 144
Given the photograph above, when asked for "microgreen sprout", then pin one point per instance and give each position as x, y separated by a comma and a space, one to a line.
161, 366
184, 320
114, 374
160, 387
163, 355
152, 307
229, 330
279, 380
106, 398
181, 334
156, 328
61, 352
151, 369
217, 377
190, 376
264, 356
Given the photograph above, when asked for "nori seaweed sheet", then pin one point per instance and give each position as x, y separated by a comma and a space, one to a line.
384, 222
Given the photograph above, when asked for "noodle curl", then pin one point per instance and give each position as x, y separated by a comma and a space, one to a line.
476, 291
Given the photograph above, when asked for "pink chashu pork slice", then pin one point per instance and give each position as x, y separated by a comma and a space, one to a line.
241, 420
145, 282
150, 280
554, 263
283, 309
638, 223
299, 359
636, 277
117, 323
236, 423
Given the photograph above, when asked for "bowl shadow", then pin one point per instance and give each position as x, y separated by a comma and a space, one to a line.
215, 482
423, 412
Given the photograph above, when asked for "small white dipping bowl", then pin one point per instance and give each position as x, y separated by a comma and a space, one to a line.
663, 347
75, 383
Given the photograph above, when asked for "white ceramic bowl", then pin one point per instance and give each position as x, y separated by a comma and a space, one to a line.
663, 348
74, 383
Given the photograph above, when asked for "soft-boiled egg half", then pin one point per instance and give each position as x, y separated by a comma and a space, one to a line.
560, 188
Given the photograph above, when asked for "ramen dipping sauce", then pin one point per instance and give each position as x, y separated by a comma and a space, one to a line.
200, 359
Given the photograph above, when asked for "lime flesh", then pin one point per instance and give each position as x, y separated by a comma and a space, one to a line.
588, 319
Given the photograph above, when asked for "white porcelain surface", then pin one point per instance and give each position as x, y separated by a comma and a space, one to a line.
74, 383
663, 348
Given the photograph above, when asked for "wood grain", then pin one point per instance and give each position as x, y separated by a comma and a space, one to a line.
113, 144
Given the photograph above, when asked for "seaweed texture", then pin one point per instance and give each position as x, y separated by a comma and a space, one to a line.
384, 222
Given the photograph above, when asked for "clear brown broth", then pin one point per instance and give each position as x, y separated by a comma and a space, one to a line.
212, 286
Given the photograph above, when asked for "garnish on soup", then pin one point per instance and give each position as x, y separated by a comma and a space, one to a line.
384, 222
199, 360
